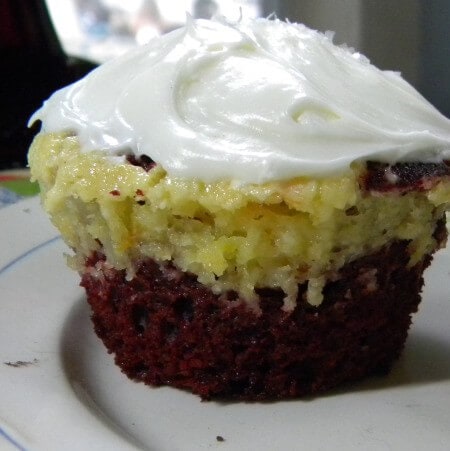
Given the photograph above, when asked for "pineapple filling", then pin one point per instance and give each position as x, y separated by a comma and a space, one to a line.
277, 235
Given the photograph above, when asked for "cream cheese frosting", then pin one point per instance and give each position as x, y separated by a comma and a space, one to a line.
253, 101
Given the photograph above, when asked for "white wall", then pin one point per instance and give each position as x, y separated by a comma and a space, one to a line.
341, 16
388, 32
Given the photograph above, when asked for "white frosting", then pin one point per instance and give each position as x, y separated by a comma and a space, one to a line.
254, 101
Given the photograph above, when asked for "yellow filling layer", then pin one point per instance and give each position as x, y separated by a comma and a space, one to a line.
232, 237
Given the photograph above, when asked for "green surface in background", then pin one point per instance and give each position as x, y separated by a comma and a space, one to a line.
22, 187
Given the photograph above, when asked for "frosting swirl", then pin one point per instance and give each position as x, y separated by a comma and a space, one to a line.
255, 101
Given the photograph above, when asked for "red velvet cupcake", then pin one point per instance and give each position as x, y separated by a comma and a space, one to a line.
251, 208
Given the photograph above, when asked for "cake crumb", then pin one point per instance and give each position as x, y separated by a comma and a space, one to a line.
21, 363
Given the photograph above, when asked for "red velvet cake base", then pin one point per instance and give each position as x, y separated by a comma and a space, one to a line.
167, 329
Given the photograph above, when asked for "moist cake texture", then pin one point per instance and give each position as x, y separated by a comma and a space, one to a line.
276, 235
166, 328
257, 224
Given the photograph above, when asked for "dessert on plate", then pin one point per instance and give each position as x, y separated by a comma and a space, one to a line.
251, 208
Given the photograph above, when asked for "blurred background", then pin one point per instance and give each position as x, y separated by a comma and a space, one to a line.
46, 44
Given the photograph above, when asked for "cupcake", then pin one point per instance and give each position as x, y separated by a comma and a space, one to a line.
250, 207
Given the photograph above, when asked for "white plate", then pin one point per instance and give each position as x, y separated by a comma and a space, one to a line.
59, 389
